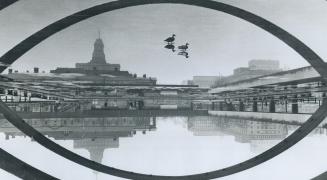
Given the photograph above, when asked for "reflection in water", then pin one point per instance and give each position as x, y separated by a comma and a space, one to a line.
260, 135
98, 134
92, 134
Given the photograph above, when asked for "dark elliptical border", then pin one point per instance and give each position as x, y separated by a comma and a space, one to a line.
308, 54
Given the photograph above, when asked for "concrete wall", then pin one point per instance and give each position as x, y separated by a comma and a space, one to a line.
298, 118
286, 76
158, 103
103, 67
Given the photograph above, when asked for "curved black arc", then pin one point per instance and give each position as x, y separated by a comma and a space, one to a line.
293, 42
304, 130
19, 168
6, 3
27, 44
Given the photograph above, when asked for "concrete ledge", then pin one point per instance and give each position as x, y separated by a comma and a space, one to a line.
112, 113
277, 117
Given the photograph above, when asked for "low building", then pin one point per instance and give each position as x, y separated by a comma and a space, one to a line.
259, 64
205, 81
255, 68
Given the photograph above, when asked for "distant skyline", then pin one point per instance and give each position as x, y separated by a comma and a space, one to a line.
133, 37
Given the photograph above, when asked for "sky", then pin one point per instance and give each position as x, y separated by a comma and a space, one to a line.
133, 37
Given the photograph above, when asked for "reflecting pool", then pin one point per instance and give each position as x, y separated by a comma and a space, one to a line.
173, 145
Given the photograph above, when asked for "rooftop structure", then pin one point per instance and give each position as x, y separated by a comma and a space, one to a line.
98, 61
257, 64
295, 76
97, 71
255, 68
205, 81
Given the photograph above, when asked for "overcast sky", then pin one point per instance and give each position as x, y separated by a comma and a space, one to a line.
133, 37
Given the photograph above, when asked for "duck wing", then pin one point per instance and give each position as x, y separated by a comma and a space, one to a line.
170, 39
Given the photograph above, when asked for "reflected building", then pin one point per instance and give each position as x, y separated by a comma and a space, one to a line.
260, 135
93, 134
96, 147
204, 126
